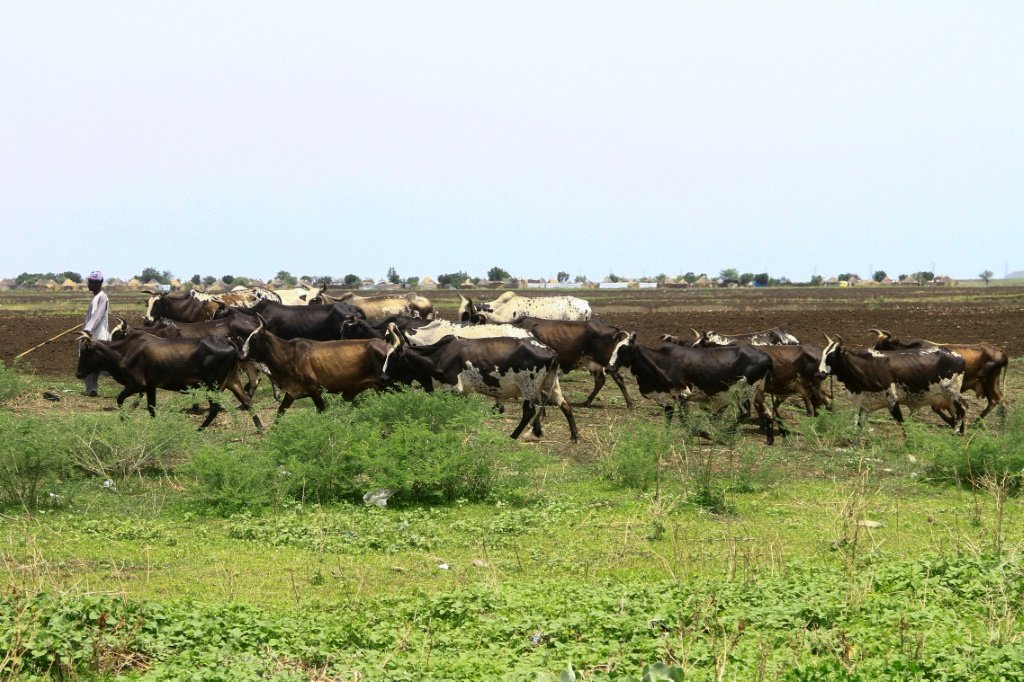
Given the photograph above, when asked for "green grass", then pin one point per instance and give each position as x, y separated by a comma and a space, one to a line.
584, 560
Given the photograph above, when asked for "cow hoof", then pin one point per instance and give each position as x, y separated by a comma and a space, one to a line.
531, 438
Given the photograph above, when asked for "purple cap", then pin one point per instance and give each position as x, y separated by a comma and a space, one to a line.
95, 276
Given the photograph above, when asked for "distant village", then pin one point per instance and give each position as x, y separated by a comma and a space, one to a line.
153, 280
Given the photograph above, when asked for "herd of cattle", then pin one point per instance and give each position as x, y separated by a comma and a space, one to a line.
514, 347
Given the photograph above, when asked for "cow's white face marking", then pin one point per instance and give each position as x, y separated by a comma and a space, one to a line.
823, 366
717, 339
149, 308
614, 360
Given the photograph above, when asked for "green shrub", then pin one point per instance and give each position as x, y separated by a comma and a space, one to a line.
987, 450
233, 478
131, 446
33, 454
10, 383
426, 448
635, 456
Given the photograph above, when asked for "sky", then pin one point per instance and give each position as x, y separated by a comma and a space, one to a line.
325, 138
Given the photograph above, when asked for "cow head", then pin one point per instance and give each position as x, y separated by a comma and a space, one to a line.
622, 352
154, 307
256, 341
318, 297
396, 368
88, 356
700, 339
883, 339
354, 328
119, 330
830, 355
466, 309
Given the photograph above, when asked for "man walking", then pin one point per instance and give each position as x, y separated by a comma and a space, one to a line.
96, 323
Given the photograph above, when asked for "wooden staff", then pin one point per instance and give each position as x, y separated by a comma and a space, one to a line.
66, 331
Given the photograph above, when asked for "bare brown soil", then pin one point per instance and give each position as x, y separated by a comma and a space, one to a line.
992, 314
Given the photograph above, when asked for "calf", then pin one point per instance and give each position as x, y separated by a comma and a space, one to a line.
985, 364
499, 367
579, 344
142, 363
914, 377
302, 367
673, 374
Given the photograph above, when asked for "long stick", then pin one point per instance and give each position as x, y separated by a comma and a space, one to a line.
66, 331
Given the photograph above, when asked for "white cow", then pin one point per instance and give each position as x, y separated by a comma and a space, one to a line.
510, 306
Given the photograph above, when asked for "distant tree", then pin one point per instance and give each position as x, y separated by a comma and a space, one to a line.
452, 279
152, 273
323, 281
845, 277
746, 278
497, 274
30, 278
209, 279
690, 278
196, 279
228, 279
286, 277
985, 275
782, 281
878, 275
580, 279
562, 277
729, 273
761, 279
241, 281
351, 279
393, 276
68, 274
923, 276
612, 277
412, 282
901, 277
661, 278
816, 280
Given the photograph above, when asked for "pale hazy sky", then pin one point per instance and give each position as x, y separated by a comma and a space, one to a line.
636, 137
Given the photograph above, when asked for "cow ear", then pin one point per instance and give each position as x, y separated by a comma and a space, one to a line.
632, 338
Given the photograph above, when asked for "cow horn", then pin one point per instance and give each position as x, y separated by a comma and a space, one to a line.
154, 293
263, 322
395, 334
828, 339
696, 334
85, 336
839, 339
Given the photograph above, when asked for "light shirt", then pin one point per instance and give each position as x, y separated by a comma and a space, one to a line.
96, 317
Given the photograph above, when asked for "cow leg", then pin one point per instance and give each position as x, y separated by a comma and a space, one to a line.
599, 379
563, 404
286, 402
245, 401
124, 394
151, 401
318, 399
529, 411
950, 420
214, 411
776, 402
498, 407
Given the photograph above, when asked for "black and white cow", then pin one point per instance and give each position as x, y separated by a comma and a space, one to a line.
886, 379
776, 336
511, 306
672, 374
501, 368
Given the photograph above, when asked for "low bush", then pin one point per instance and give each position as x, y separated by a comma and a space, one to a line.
987, 450
636, 455
33, 455
10, 383
233, 478
424, 448
131, 446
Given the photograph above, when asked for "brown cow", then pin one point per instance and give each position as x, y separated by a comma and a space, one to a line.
379, 307
301, 367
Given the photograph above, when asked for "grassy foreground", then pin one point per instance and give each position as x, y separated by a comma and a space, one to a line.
132, 547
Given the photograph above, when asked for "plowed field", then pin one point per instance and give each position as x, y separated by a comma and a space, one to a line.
994, 314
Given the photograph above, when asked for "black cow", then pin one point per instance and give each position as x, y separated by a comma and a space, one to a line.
314, 322
579, 344
673, 374
142, 363
361, 329
916, 377
498, 367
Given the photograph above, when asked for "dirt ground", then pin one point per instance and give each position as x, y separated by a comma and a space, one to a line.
992, 314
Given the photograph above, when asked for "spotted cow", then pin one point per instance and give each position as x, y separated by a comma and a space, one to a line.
511, 306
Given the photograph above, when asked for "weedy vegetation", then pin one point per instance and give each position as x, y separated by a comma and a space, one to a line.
134, 547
